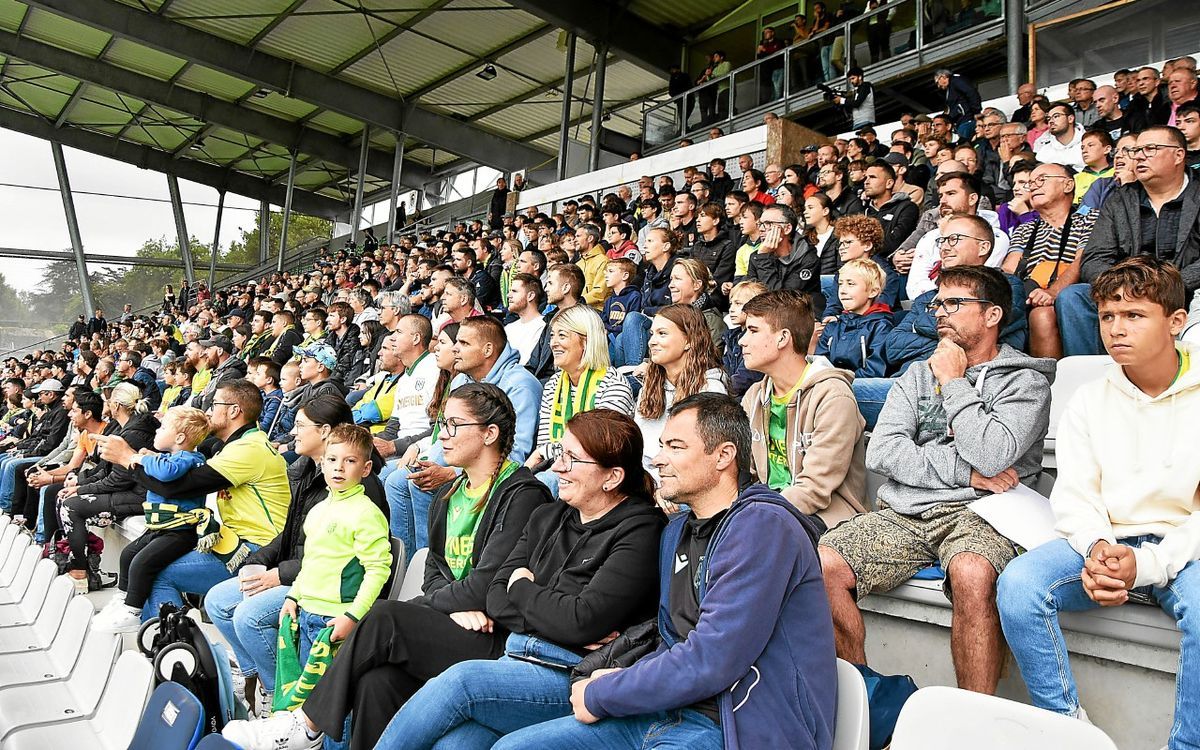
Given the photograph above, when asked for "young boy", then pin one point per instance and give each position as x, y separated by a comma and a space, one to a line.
740, 376
264, 373
1126, 500
623, 299
170, 526
854, 340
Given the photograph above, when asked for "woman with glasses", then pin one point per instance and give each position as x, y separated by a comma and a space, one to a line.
246, 608
862, 237
474, 524
692, 284
582, 573
582, 381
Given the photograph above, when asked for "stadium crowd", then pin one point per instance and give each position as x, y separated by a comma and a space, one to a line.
634, 435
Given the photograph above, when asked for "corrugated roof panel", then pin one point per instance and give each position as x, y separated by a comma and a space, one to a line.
624, 80
141, 59
469, 94
681, 15
489, 28
90, 113
65, 33
544, 60
46, 95
222, 150
11, 13
282, 106
262, 164
520, 120
120, 103
214, 83
233, 136
143, 4
322, 41
335, 123
420, 155
248, 20
413, 61
158, 137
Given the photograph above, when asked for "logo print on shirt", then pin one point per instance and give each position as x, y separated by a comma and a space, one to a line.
681, 562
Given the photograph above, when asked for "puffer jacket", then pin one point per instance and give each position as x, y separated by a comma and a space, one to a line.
855, 342
116, 482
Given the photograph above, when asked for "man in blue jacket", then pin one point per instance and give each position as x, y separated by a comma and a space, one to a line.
743, 617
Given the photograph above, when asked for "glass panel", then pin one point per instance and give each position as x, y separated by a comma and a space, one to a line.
662, 123
890, 31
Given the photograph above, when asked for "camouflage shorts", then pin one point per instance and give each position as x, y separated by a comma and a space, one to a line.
885, 548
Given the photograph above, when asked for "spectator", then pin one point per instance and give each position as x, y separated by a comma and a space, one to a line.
1083, 91
751, 232
833, 181
474, 526
1123, 174
592, 262
1122, 515
1039, 113
1149, 105
44, 481
1096, 148
819, 218
1181, 90
1187, 119
342, 337
366, 362
623, 300
264, 373
854, 339
861, 237
1061, 144
972, 434
691, 284
771, 88
1025, 94
714, 245
754, 183
316, 366
285, 338
721, 184
753, 609
408, 421
962, 101
48, 431
129, 367
895, 212
563, 289
524, 300
313, 324
97, 323
1109, 116
458, 302
485, 289
498, 206
221, 366
782, 262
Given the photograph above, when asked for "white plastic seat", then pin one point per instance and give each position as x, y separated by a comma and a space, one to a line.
414, 577
56, 662
8, 534
8, 569
1072, 372
55, 610
24, 611
945, 718
111, 722
27, 563
399, 568
853, 728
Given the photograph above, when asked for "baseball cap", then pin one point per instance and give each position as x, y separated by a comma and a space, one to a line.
49, 384
238, 312
865, 130
895, 159
809, 149
922, 118
221, 342
323, 353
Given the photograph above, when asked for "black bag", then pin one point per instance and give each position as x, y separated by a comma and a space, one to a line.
637, 641
59, 552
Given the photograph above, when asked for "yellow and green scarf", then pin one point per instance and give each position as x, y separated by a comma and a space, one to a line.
570, 401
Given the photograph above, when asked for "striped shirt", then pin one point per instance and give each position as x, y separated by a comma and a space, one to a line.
612, 392
1047, 240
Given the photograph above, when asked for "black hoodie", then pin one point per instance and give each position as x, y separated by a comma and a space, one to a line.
590, 579
110, 479
508, 510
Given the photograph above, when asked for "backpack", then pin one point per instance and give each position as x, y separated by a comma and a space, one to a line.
58, 551
886, 695
182, 653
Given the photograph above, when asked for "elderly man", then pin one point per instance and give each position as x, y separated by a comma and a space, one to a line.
1025, 94
1181, 90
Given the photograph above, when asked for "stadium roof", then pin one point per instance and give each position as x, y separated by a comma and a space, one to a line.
220, 92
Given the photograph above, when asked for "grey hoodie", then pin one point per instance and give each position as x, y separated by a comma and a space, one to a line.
928, 440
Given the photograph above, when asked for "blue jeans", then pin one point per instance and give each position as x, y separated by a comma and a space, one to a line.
194, 573
311, 626
9, 466
1039, 584
550, 479
1078, 322
678, 729
474, 703
630, 345
250, 625
871, 393
827, 72
409, 511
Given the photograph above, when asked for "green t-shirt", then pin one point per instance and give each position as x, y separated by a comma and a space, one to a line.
780, 470
464, 509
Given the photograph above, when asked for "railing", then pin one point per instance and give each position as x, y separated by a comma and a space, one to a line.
897, 28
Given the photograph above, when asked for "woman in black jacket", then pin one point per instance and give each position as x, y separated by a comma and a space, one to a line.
474, 523
582, 572
246, 609
108, 492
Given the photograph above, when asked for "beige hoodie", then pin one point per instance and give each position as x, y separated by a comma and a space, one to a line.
1129, 465
824, 436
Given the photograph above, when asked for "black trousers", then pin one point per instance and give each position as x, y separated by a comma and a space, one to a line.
145, 558
396, 648
73, 514
50, 510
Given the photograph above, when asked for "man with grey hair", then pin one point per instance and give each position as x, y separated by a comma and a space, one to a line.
1181, 90
1083, 97
392, 307
987, 149
962, 101
361, 302
1025, 94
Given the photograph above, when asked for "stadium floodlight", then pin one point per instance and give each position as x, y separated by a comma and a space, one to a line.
488, 72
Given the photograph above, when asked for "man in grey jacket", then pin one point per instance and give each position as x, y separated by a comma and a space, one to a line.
968, 423
1158, 215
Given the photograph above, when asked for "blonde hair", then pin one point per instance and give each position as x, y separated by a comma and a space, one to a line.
586, 322
191, 422
129, 396
757, 287
698, 272
867, 271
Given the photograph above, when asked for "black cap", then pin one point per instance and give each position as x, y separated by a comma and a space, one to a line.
221, 342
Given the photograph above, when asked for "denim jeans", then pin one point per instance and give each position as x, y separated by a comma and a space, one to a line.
474, 703
9, 466
1039, 584
871, 393
827, 72
194, 573
678, 729
1078, 322
409, 511
311, 626
550, 479
629, 347
250, 625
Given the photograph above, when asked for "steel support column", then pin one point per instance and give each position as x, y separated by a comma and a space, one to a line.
287, 211
64, 187
185, 250
216, 245
356, 221
598, 107
1014, 30
564, 129
394, 196
264, 230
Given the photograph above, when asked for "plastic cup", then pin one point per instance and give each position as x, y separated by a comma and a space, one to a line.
248, 571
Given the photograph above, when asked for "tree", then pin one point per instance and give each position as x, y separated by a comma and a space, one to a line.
301, 229
12, 307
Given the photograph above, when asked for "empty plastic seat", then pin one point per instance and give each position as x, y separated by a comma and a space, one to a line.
57, 662
1072, 372
945, 718
398, 568
8, 535
112, 722
173, 720
12, 560
414, 577
853, 728
54, 612
25, 611
16, 591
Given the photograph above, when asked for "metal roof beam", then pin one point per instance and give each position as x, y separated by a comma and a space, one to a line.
162, 161
389, 36
650, 47
298, 82
110, 260
490, 56
205, 108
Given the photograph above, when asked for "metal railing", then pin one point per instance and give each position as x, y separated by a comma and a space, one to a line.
896, 29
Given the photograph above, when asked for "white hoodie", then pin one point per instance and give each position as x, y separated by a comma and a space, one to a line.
927, 255
1127, 466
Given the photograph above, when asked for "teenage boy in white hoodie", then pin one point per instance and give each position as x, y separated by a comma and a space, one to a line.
1127, 498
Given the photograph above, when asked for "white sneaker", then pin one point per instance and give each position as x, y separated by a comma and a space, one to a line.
283, 731
81, 585
117, 619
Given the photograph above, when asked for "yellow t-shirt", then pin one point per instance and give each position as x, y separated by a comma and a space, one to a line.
256, 505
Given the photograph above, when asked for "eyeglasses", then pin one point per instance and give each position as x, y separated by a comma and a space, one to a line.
298, 423
952, 304
1057, 116
846, 244
774, 223
1041, 179
451, 428
952, 240
1150, 149
221, 403
568, 461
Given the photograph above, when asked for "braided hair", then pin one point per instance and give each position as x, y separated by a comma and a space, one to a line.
488, 405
